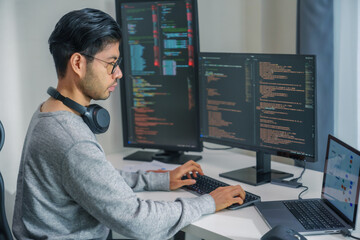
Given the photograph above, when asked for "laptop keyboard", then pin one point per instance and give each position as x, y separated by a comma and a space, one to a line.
312, 215
205, 184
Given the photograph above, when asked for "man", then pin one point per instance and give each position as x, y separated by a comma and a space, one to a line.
66, 188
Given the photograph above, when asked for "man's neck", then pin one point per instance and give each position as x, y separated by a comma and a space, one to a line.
53, 105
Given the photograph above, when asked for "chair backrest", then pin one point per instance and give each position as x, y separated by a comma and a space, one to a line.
5, 233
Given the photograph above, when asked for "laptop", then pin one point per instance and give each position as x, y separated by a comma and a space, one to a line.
339, 197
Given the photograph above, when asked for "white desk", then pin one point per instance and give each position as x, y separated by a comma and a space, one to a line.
244, 223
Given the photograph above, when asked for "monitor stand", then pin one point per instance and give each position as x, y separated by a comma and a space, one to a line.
173, 157
259, 174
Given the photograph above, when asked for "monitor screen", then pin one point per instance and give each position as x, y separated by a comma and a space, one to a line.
159, 89
259, 102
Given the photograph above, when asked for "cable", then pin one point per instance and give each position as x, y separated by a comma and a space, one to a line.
347, 233
218, 148
298, 178
306, 188
301, 174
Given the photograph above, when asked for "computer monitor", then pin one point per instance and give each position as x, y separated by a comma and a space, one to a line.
259, 102
159, 88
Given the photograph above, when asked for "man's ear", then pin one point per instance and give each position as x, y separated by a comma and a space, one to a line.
78, 63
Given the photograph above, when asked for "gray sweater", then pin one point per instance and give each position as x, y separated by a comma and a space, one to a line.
66, 189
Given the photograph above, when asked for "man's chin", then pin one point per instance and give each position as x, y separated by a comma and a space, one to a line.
103, 97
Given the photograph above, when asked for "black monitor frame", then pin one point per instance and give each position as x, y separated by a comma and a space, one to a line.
261, 173
168, 153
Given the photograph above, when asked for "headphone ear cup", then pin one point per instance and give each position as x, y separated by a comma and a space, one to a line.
97, 118
2, 135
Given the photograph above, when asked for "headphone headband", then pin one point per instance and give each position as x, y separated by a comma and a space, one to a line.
67, 101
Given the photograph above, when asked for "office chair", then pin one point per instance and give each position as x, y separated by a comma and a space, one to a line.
5, 233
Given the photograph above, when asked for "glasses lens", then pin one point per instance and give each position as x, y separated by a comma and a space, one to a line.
116, 64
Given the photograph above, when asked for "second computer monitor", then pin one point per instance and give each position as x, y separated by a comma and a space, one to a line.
259, 102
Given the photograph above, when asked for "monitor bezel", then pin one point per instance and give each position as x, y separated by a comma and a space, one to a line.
271, 151
123, 97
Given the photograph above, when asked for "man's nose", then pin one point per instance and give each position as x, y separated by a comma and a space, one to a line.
118, 73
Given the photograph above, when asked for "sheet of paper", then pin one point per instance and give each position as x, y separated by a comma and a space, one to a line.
154, 165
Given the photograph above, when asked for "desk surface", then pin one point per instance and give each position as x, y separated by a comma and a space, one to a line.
244, 223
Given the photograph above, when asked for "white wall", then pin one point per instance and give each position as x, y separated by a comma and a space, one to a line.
247, 26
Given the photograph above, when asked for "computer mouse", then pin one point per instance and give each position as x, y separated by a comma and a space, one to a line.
281, 232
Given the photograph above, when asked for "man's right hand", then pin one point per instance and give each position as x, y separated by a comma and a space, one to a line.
226, 196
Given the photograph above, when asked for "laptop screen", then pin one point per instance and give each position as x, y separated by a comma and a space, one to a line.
341, 177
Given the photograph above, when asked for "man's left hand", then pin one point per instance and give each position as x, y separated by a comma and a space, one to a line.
189, 168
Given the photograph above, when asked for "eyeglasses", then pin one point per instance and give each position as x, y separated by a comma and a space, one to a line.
111, 66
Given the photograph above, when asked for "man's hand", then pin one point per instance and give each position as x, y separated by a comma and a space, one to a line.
226, 196
189, 168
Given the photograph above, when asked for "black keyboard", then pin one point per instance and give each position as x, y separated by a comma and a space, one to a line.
205, 184
312, 214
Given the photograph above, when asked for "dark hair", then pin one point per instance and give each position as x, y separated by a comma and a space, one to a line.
85, 31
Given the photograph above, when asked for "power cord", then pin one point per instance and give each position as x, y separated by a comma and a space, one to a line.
301, 174
347, 233
299, 178
306, 188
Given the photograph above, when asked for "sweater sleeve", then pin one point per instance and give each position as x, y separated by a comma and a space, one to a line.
146, 181
96, 186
